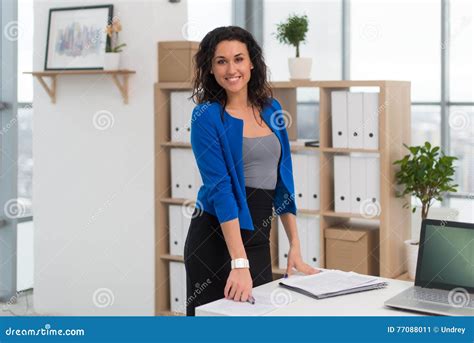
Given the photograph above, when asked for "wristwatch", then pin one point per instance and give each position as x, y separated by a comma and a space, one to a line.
239, 263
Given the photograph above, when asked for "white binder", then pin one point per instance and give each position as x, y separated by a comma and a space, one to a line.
357, 183
371, 120
197, 180
186, 222
373, 180
299, 177
302, 225
313, 241
177, 287
176, 230
308, 233
342, 193
339, 119
181, 111
283, 246
312, 169
355, 113
190, 174
306, 178
178, 184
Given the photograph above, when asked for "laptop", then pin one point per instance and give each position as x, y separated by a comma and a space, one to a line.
444, 282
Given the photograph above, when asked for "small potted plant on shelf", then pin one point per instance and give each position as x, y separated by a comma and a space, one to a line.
293, 32
113, 48
425, 174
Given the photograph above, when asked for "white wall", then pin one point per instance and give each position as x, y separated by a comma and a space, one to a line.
94, 189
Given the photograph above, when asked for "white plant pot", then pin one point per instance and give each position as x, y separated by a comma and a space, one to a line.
112, 61
411, 257
300, 68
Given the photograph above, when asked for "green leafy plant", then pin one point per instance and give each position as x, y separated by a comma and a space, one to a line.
293, 31
426, 173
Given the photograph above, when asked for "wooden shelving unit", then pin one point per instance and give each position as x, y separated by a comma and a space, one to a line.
394, 130
53, 75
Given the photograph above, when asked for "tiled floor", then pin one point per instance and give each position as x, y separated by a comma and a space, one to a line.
22, 307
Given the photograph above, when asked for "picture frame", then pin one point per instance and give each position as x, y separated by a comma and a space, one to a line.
76, 37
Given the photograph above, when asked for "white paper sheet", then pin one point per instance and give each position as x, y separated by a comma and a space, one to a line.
265, 302
331, 281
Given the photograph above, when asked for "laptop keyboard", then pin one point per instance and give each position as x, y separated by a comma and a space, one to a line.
442, 297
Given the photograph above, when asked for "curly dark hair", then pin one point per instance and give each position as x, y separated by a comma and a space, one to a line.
205, 86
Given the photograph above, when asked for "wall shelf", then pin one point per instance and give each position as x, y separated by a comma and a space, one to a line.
50, 89
348, 215
349, 150
294, 146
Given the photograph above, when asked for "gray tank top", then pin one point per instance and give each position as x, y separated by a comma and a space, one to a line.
260, 157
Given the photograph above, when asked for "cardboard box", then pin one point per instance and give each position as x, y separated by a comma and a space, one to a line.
353, 249
175, 61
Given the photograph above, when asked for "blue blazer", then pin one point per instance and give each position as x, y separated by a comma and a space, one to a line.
217, 147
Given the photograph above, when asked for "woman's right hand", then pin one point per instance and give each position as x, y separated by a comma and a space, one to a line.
239, 285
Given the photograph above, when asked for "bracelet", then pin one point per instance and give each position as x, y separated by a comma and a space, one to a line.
239, 263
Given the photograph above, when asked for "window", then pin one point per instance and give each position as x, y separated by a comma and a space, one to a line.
399, 40
461, 93
462, 146
25, 110
25, 50
323, 41
461, 56
425, 125
390, 41
323, 44
25, 159
206, 15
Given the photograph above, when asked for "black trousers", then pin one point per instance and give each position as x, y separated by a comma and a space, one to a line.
207, 259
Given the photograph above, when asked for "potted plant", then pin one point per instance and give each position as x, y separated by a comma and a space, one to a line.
113, 48
425, 174
293, 32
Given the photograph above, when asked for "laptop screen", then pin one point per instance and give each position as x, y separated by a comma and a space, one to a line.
446, 255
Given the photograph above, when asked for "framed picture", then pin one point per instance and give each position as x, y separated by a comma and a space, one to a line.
77, 38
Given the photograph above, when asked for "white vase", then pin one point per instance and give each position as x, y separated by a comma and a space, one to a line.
300, 68
112, 61
411, 257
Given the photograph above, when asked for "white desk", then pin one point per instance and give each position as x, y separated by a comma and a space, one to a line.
368, 303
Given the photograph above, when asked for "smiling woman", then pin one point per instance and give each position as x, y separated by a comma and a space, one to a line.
243, 156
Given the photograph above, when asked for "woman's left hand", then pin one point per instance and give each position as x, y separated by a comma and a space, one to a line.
296, 261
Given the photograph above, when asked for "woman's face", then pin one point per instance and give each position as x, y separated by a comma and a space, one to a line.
231, 66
